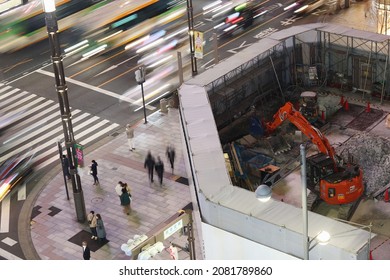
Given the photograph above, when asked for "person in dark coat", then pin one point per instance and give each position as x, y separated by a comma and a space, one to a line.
94, 172
149, 163
100, 229
86, 251
65, 166
125, 201
159, 170
171, 156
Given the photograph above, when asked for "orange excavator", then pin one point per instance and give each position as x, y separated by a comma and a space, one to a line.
336, 182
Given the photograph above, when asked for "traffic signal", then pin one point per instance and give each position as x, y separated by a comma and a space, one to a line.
140, 75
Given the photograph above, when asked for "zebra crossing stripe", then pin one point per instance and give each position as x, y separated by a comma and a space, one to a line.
4, 89
22, 109
31, 135
46, 153
26, 126
19, 102
14, 97
22, 192
5, 214
8, 255
37, 141
10, 93
34, 109
84, 142
38, 124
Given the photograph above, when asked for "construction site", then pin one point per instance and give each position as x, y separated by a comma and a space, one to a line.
323, 86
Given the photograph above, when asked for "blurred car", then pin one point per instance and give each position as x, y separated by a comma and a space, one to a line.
14, 170
8, 119
241, 16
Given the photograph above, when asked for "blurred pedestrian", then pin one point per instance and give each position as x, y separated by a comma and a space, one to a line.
92, 224
149, 163
171, 156
100, 229
118, 188
367, 8
127, 188
86, 251
159, 166
125, 201
65, 166
94, 172
130, 137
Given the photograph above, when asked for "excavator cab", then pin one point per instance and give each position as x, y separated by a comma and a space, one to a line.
317, 167
341, 187
308, 106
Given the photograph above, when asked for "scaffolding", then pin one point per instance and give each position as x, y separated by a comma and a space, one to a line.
313, 55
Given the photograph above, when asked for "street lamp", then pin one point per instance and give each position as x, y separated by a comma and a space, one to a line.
66, 116
190, 16
140, 78
263, 194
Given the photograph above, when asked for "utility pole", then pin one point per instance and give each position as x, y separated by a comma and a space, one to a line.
140, 78
190, 16
66, 116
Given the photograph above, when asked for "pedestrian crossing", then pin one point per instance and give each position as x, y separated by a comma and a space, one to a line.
36, 126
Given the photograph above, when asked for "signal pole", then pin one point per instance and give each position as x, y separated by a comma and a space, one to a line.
66, 116
190, 16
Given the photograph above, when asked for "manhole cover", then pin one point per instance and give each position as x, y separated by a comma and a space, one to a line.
97, 200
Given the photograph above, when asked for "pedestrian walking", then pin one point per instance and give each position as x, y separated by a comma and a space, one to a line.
118, 188
65, 166
94, 172
159, 166
130, 137
86, 251
92, 222
149, 163
126, 201
171, 156
127, 188
100, 229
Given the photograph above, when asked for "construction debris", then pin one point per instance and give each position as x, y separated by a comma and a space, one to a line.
372, 153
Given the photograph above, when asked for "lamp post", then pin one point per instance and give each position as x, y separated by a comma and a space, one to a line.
263, 193
140, 78
304, 204
66, 116
190, 16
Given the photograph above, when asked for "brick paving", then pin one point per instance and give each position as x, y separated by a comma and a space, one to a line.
56, 222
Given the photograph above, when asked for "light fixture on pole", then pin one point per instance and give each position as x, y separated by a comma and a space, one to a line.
263, 193
66, 116
140, 78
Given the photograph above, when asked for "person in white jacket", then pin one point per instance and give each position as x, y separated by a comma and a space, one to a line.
120, 186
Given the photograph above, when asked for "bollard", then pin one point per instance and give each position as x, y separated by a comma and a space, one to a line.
163, 105
342, 101
368, 108
346, 105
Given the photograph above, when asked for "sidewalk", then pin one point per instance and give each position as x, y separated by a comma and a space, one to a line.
55, 232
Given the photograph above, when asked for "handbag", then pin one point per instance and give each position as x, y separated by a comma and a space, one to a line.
90, 172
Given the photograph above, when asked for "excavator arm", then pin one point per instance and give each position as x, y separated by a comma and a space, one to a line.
287, 112
338, 184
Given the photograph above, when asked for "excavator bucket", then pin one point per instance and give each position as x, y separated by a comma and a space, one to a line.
278, 144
